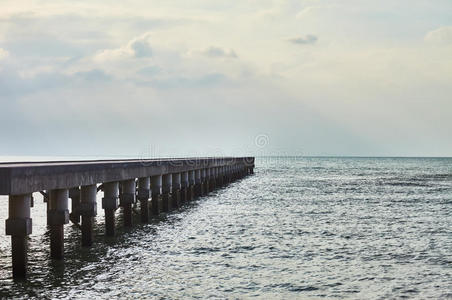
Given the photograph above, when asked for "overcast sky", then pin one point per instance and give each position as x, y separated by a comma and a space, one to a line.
210, 77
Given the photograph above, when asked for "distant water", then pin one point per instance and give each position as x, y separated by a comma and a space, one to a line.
356, 228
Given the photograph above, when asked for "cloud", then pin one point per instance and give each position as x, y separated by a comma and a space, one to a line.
440, 36
216, 52
304, 40
138, 47
184, 82
3, 53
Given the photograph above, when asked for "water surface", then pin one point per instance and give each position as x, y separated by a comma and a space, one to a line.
356, 228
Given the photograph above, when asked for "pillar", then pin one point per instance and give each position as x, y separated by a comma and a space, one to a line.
191, 186
110, 205
144, 192
57, 216
207, 181
184, 187
74, 194
166, 191
156, 188
198, 188
203, 182
212, 184
127, 199
18, 226
216, 176
220, 176
176, 189
226, 174
88, 210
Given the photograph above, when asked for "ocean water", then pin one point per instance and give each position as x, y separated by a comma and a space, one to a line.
300, 228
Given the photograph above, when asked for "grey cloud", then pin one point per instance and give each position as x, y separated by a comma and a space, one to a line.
141, 48
219, 52
13, 85
93, 75
205, 80
304, 40
149, 71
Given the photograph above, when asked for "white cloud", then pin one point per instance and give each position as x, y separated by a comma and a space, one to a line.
216, 52
3, 53
136, 48
440, 36
303, 40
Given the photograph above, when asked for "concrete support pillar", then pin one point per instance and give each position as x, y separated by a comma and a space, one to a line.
167, 180
144, 193
57, 216
220, 176
212, 184
74, 194
191, 187
184, 187
198, 187
203, 182
176, 189
226, 174
18, 226
110, 204
127, 199
88, 210
217, 177
156, 190
207, 180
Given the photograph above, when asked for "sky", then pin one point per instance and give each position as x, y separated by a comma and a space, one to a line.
208, 77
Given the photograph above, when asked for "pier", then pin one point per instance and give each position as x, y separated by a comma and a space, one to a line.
154, 186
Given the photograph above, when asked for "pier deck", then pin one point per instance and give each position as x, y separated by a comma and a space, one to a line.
155, 185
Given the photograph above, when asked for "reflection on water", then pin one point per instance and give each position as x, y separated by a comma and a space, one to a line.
298, 228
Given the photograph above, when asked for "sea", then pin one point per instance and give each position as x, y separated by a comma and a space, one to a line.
299, 228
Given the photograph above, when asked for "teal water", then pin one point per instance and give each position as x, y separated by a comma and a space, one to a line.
300, 228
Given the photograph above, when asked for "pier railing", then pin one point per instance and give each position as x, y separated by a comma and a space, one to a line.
157, 185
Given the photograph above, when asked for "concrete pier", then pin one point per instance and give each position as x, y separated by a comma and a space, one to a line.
212, 181
166, 192
220, 176
18, 226
191, 186
176, 190
110, 204
176, 181
74, 194
143, 194
156, 190
57, 216
127, 199
184, 187
198, 187
88, 210
207, 180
